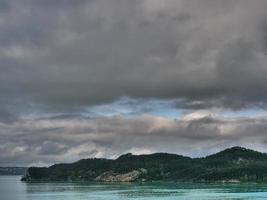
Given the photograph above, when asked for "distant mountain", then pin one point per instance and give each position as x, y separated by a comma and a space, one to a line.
238, 153
12, 170
230, 165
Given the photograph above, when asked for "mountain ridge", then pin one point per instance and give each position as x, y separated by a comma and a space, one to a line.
232, 164
238, 151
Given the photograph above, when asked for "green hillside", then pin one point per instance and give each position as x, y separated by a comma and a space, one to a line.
230, 165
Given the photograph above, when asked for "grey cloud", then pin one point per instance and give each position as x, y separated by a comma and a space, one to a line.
90, 52
51, 148
7, 117
61, 58
42, 141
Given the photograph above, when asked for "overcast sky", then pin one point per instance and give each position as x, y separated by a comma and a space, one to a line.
99, 78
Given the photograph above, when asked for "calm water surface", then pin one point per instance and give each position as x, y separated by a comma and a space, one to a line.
12, 189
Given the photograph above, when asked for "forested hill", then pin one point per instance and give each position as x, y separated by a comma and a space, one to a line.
231, 165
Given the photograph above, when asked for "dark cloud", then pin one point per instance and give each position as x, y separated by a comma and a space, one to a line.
62, 59
7, 117
44, 142
81, 53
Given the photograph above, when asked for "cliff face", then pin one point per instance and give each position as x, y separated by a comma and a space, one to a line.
236, 163
125, 177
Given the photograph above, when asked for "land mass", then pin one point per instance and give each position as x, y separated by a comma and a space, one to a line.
12, 170
236, 164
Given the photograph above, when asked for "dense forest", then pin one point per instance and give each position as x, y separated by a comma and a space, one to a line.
231, 165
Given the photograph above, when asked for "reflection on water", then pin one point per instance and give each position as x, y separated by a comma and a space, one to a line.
12, 189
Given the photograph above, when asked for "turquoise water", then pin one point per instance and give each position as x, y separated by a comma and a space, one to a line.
12, 189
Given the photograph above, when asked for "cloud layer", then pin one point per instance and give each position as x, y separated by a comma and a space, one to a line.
90, 52
46, 141
63, 62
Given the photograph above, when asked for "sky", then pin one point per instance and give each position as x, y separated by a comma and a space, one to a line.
100, 78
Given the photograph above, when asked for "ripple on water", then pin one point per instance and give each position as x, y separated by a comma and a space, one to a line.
12, 189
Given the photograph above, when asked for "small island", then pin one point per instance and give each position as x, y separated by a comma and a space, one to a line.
236, 164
